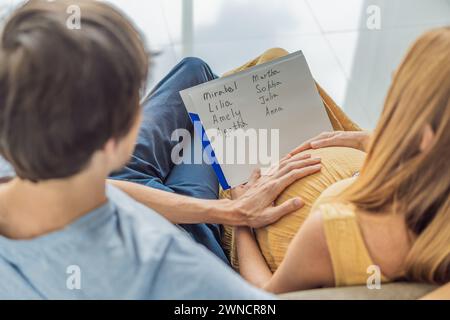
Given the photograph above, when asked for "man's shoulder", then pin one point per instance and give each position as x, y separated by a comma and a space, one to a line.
141, 222
132, 209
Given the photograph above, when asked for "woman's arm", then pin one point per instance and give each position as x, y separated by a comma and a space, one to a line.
443, 293
252, 265
307, 263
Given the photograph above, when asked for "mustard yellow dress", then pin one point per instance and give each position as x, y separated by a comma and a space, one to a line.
348, 251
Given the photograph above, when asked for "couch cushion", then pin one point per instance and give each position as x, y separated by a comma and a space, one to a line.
390, 291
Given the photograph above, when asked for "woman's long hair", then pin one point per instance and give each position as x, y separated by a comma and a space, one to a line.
397, 176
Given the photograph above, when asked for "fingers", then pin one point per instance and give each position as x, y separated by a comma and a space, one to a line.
286, 180
256, 174
308, 144
236, 192
276, 213
294, 165
274, 169
285, 161
287, 157
324, 143
303, 147
299, 157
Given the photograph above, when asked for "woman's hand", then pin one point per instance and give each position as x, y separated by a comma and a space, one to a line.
255, 200
351, 139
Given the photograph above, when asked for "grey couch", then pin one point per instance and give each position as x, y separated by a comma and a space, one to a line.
390, 291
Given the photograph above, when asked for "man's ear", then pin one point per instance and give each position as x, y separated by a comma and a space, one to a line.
427, 138
110, 146
112, 154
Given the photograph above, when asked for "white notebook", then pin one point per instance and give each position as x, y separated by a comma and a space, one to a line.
253, 118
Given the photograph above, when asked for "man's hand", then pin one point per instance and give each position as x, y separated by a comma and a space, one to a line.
255, 200
351, 139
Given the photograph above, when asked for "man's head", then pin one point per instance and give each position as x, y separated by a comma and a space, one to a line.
67, 94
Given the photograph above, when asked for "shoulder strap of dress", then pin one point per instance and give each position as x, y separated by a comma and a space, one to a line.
348, 251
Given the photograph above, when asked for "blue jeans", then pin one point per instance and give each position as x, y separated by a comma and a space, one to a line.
151, 164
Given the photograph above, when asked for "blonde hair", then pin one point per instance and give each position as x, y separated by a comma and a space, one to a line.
397, 176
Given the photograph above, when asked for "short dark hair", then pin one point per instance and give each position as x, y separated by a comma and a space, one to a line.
64, 92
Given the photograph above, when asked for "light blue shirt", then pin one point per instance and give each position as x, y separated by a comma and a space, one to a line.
122, 250
5, 169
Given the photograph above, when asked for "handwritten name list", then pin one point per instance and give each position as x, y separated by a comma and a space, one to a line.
225, 113
267, 85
